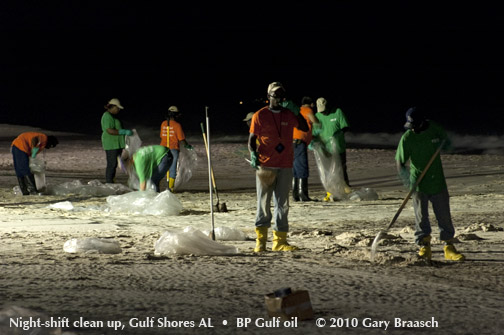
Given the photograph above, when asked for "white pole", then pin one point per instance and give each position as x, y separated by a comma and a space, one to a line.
210, 171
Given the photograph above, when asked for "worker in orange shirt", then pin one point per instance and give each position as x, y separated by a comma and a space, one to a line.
177, 137
28, 145
301, 141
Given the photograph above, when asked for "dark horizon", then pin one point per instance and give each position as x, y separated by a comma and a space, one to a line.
62, 62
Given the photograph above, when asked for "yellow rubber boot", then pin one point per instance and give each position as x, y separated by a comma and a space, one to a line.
171, 184
280, 242
425, 248
451, 254
262, 238
328, 197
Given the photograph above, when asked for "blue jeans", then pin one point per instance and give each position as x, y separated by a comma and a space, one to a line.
300, 167
161, 170
279, 190
173, 167
110, 171
21, 162
441, 207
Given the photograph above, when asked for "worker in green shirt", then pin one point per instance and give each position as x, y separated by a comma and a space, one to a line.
417, 145
151, 164
330, 131
113, 141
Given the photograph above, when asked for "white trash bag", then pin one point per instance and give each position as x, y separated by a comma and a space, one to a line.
190, 241
146, 203
93, 188
88, 244
66, 205
187, 162
364, 194
330, 168
227, 234
37, 167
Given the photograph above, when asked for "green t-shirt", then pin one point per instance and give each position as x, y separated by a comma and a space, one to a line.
110, 142
147, 160
332, 125
419, 148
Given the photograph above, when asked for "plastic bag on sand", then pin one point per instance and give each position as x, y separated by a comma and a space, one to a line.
329, 167
227, 234
101, 245
93, 188
146, 202
190, 241
9, 313
364, 193
67, 205
187, 162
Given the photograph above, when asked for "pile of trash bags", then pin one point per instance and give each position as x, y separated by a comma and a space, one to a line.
146, 203
190, 242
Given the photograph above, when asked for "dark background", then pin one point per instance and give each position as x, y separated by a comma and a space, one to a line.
61, 61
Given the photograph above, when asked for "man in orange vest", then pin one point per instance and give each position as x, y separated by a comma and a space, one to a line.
176, 138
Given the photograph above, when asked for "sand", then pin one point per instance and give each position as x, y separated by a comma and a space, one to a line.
146, 293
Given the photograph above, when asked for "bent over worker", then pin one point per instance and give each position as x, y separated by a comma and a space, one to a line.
26, 145
151, 163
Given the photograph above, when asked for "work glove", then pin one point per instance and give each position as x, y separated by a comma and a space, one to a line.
34, 152
316, 130
254, 160
188, 147
126, 132
404, 176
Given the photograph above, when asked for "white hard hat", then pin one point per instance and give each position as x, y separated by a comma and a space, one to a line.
173, 109
115, 102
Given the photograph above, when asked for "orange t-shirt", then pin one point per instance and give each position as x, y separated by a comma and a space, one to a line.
305, 136
176, 134
273, 129
24, 141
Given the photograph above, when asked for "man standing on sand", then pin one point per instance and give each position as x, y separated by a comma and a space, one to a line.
176, 137
271, 152
28, 145
301, 141
113, 141
418, 144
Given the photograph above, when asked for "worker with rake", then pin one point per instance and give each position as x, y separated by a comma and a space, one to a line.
418, 145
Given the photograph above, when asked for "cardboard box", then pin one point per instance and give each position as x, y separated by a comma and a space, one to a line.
297, 304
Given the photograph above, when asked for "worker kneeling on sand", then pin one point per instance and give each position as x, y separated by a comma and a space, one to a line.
271, 153
418, 144
151, 163
26, 145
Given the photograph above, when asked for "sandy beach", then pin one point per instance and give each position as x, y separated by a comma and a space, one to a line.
137, 292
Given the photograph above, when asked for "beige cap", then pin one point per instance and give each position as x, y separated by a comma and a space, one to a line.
249, 116
275, 86
173, 109
321, 105
115, 102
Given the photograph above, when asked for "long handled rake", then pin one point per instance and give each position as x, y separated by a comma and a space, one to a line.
382, 233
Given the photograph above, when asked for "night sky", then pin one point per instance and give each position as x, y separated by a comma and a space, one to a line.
61, 61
